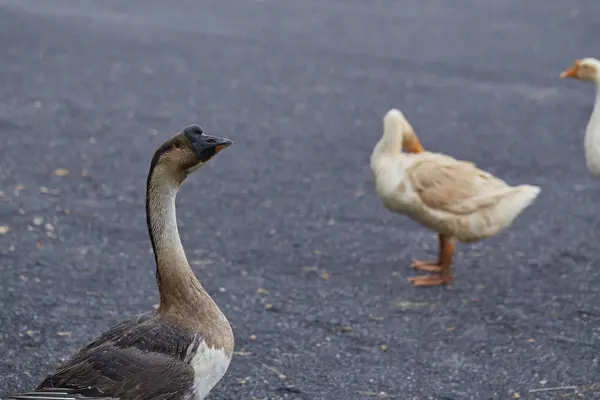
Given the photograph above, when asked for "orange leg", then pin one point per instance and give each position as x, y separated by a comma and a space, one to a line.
443, 266
432, 266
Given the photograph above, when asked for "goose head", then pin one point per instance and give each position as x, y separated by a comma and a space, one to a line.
187, 152
586, 69
397, 129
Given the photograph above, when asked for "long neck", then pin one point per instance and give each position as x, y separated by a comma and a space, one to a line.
181, 294
391, 141
398, 134
595, 118
389, 148
592, 137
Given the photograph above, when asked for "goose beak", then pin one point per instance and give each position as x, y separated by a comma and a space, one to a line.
572, 71
205, 146
224, 143
412, 144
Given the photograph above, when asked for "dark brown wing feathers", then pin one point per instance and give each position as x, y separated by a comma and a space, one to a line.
140, 358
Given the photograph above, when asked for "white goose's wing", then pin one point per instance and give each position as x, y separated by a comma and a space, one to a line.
459, 187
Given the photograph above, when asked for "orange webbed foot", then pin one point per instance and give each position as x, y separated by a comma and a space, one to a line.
430, 280
428, 266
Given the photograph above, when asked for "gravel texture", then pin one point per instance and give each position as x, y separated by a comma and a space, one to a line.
284, 228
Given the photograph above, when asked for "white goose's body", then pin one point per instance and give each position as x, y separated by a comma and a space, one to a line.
452, 197
592, 138
588, 69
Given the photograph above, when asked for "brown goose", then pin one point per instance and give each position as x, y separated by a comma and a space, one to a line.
182, 350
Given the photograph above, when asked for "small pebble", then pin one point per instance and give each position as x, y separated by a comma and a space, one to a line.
61, 172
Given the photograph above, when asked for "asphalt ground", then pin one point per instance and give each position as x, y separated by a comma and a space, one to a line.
284, 228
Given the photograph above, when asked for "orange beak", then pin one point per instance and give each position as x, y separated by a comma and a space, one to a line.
220, 147
412, 144
572, 71
223, 143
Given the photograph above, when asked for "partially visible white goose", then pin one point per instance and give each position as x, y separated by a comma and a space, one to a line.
179, 352
449, 196
588, 69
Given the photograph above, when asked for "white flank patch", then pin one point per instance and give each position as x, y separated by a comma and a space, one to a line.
209, 366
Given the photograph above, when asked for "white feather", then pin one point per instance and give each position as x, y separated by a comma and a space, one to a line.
209, 365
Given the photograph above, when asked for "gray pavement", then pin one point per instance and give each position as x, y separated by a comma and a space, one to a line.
301, 86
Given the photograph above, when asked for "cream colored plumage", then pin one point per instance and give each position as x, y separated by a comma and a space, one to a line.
588, 69
449, 196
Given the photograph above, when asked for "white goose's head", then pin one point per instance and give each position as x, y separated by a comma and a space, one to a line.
186, 152
585, 69
396, 128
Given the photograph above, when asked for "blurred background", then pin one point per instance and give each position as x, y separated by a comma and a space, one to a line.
284, 228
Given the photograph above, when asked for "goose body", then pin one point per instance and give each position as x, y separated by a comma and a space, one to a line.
588, 69
452, 197
179, 352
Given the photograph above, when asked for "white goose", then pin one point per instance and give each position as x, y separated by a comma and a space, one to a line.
588, 69
449, 196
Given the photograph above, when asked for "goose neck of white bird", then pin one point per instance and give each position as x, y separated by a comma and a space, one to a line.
391, 142
180, 291
386, 151
592, 137
594, 123
597, 103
